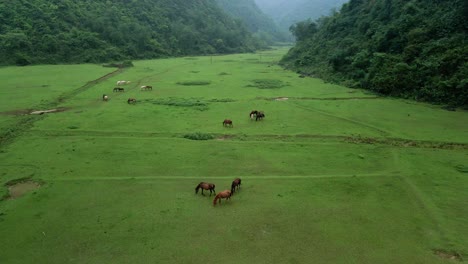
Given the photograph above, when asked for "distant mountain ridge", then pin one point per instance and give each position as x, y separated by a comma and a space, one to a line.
69, 31
256, 21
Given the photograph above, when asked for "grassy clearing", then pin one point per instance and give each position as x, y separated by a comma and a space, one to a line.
322, 180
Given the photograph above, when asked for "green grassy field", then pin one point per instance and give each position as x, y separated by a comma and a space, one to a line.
331, 175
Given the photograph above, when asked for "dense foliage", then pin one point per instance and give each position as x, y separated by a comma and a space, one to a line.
256, 21
287, 12
414, 49
53, 31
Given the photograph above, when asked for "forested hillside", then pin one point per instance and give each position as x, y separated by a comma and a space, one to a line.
68, 31
287, 12
413, 49
256, 21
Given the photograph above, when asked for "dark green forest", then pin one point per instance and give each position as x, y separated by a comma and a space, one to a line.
257, 22
68, 31
414, 49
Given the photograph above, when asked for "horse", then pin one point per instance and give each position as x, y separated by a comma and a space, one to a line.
146, 87
118, 89
260, 115
122, 82
227, 123
253, 114
205, 186
105, 97
226, 194
236, 183
131, 101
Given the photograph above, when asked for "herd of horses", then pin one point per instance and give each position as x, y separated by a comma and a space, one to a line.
226, 194
121, 89
254, 114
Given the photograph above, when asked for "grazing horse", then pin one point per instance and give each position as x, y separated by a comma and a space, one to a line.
146, 87
131, 101
253, 114
259, 115
227, 123
205, 186
105, 97
118, 89
235, 185
122, 82
226, 194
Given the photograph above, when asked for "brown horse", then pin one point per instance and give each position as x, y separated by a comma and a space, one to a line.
227, 123
118, 89
235, 185
205, 186
131, 101
226, 194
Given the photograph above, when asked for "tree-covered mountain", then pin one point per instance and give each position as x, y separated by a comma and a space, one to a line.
256, 21
408, 48
70, 31
288, 12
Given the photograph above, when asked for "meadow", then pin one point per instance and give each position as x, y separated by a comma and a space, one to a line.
330, 175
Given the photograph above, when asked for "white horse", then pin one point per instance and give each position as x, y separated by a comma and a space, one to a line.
146, 87
122, 82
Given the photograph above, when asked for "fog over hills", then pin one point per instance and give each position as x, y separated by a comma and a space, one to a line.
287, 12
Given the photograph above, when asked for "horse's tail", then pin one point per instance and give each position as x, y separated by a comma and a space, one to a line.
215, 199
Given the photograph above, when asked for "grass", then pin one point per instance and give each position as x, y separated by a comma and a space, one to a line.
323, 181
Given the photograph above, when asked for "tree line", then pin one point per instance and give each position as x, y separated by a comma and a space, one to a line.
85, 31
414, 49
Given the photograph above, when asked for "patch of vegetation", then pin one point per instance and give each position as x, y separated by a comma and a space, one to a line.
267, 84
194, 71
462, 168
225, 100
180, 102
198, 136
124, 64
72, 127
224, 73
194, 83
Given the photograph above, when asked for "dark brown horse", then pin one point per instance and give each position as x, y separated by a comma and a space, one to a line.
258, 115
131, 101
205, 186
235, 185
226, 194
118, 89
227, 123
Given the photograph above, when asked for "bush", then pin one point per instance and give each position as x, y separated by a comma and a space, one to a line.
198, 136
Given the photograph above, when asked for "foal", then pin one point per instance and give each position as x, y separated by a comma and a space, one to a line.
205, 186
226, 194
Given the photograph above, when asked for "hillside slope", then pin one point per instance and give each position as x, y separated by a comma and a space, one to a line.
413, 49
67, 31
